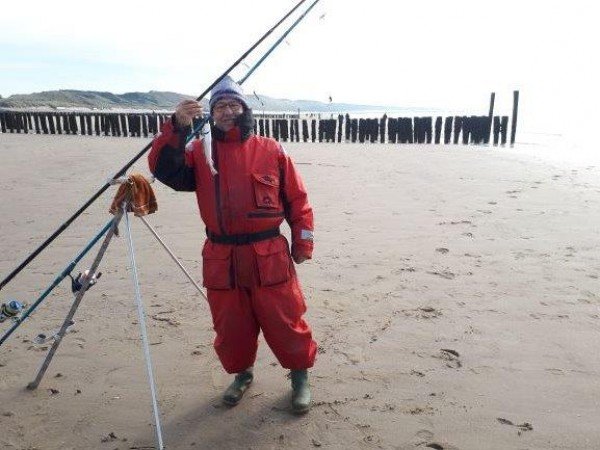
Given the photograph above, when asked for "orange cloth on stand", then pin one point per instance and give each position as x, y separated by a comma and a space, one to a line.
139, 195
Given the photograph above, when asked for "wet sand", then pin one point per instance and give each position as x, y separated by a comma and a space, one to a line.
454, 294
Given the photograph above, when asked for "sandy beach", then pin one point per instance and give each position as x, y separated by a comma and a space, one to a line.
454, 293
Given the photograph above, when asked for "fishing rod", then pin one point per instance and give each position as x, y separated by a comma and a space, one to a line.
274, 46
66, 272
122, 171
206, 118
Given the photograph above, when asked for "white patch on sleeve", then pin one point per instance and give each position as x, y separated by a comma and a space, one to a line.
282, 150
307, 234
189, 146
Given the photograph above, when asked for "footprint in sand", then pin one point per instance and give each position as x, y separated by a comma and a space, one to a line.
418, 410
471, 330
444, 274
456, 222
424, 312
452, 358
372, 440
387, 407
440, 446
354, 355
168, 320
424, 434
427, 312
525, 426
442, 250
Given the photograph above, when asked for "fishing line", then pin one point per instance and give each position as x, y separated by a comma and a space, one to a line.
197, 129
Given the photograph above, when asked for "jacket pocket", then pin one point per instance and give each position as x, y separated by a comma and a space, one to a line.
273, 261
217, 269
266, 191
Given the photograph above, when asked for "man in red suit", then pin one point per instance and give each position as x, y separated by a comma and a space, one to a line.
245, 186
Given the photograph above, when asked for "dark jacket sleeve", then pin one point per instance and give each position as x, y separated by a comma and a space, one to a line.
167, 159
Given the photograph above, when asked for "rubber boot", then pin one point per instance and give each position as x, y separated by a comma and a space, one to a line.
301, 398
234, 393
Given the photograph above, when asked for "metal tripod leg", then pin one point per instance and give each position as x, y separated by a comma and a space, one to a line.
34, 384
57, 281
143, 331
174, 258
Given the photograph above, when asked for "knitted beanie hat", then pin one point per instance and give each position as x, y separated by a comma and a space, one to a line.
227, 88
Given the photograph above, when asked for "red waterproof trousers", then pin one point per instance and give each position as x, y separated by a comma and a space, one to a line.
266, 297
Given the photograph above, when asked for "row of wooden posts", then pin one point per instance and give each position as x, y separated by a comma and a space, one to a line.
402, 130
82, 123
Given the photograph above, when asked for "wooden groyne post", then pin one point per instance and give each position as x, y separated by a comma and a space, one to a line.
491, 115
513, 127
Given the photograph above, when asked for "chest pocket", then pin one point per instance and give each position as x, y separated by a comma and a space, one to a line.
266, 191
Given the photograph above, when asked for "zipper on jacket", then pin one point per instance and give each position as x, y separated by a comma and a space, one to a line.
217, 181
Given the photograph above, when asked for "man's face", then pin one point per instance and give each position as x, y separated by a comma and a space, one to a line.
225, 111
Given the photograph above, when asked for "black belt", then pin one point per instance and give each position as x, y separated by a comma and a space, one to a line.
242, 239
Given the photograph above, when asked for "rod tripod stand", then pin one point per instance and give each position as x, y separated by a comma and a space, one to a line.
68, 321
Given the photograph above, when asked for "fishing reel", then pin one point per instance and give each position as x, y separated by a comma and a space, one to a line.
43, 338
11, 310
77, 283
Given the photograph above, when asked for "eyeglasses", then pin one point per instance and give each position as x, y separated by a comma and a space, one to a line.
233, 106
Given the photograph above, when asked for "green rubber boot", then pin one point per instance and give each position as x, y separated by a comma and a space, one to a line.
301, 398
234, 393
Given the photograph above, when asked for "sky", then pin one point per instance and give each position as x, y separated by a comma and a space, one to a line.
426, 53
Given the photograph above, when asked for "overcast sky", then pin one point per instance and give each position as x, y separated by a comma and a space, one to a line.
430, 53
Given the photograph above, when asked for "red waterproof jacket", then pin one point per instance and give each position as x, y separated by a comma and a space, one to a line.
256, 186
